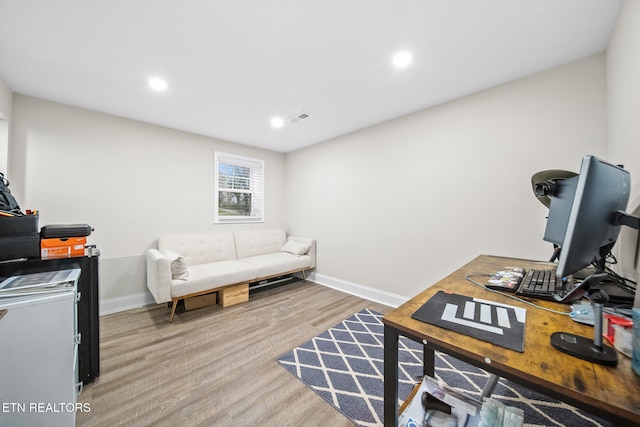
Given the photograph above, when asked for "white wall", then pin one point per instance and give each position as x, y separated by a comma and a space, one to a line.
397, 206
129, 180
394, 207
623, 91
6, 102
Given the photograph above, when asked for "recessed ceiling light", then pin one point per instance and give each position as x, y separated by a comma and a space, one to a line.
277, 122
157, 84
402, 59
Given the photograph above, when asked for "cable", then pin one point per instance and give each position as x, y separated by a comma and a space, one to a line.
468, 277
622, 282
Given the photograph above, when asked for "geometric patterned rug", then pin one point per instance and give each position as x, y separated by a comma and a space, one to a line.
344, 365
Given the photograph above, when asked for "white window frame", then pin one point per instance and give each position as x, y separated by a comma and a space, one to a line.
255, 190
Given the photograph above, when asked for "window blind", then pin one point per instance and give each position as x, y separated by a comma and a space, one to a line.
239, 189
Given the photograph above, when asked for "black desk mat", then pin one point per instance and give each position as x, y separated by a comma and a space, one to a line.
499, 324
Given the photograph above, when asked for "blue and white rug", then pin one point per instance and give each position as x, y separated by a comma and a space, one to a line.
344, 365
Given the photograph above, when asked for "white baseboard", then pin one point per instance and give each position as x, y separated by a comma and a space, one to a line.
375, 295
116, 305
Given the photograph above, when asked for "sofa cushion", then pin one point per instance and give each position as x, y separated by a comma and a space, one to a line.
178, 265
296, 248
213, 275
277, 263
200, 248
251, 243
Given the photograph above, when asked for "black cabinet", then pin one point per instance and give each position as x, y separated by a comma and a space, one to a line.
88, 308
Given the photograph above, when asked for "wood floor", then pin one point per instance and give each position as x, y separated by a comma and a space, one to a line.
215, 366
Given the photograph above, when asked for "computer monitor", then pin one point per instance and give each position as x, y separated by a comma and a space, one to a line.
584, 215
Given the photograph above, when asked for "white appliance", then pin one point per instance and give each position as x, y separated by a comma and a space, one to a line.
39, 353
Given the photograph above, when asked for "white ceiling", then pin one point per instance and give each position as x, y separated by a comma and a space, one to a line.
233, 65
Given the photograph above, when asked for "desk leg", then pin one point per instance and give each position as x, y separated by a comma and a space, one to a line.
428, 361
390, 376
490, 385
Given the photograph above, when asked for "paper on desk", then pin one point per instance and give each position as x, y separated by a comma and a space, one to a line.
45, 282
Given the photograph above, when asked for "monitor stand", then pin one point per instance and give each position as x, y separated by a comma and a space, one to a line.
584, 348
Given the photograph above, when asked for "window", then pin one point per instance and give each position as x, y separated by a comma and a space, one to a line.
239, 189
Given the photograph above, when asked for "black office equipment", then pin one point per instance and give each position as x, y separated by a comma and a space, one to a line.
584, 348
61, 231
543, 284
8, 204
19, 237
88, 309
535, 283
585, 215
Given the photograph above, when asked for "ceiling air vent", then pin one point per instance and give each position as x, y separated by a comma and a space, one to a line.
298, 117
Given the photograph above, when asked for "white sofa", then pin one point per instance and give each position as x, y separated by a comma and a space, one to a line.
188, 265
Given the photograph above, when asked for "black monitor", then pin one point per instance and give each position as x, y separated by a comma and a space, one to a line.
584, 214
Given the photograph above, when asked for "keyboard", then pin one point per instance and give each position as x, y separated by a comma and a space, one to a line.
535, 283
543, 284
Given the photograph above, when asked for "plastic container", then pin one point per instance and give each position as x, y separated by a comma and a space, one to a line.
636, 341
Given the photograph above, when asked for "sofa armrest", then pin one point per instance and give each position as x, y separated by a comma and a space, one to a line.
158, 276
312, 249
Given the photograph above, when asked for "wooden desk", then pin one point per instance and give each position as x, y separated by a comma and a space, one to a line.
612, 393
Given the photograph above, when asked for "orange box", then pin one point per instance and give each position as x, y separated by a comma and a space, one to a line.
67, 247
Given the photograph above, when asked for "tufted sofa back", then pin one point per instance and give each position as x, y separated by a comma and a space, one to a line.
259, 242
200, 248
